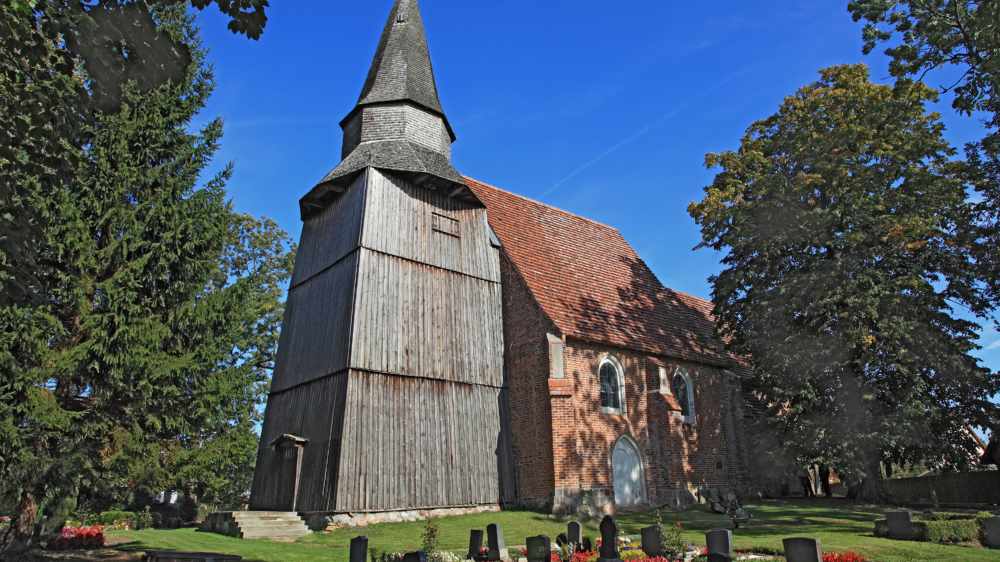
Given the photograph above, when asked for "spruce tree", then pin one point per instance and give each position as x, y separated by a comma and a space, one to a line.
160, 304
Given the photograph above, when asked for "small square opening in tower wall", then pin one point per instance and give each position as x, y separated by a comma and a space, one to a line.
445, 225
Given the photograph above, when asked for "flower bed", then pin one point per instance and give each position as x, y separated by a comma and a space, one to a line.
76, 538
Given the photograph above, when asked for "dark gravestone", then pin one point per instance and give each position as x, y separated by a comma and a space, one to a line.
900, 525
574, 532
587, 545
802, 550
562, 540
652, 541
418, 556
475, 544
497, 547
539, 548
720, 545
991, 532
609, 539
359, 549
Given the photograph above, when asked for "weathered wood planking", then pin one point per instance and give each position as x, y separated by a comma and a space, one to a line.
316, 332
399, 220
417, 443
332, 234
412, 319
315, 412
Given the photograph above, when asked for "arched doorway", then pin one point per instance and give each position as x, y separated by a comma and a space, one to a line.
629, 480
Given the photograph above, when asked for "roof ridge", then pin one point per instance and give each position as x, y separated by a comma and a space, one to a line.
537, 202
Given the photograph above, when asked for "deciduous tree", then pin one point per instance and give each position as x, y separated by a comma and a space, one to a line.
842, 222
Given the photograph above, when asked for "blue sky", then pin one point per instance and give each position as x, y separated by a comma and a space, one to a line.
604, 109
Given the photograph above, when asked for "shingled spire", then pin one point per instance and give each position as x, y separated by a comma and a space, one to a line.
402, 70
398, 124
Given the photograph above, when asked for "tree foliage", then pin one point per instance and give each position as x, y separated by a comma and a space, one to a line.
961, 36
142, 311
842, 221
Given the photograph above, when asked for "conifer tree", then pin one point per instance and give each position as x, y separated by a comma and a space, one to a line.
154, 316
842, 218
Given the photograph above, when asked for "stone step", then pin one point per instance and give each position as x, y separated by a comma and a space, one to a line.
273, 525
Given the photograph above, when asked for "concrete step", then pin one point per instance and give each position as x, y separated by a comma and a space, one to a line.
273, 525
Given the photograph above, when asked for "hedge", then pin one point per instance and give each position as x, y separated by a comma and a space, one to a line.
952, 531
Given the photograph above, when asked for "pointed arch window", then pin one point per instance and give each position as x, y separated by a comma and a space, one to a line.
612, 386
683, 391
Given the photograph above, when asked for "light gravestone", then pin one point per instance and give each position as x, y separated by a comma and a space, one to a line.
652, 541
720, 545
800, 549
539, 548
359, 549
609, 540
574, 532
900, 525
991, 532
475, 544
497, 546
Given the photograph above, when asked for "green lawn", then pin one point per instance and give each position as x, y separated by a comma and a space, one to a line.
839, 526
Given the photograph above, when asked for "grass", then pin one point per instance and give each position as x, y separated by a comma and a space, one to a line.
837, 524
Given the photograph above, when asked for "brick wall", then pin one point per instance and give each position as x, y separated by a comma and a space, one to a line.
526, 376
679, 458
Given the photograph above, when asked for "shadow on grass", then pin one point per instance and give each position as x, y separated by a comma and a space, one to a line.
138, 547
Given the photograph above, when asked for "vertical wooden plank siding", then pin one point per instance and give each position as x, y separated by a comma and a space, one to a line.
307, 411
331, 234
417, 443
399, 220
315, 334
412, 319
391, 356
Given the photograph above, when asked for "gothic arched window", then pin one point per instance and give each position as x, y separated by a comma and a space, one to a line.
612, 386
684, 393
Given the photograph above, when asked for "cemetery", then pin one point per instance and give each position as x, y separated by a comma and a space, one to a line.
439, 369
841, 531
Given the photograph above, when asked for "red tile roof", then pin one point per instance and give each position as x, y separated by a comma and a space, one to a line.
592, 284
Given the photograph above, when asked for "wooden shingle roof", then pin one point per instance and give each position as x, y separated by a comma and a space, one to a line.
593, 286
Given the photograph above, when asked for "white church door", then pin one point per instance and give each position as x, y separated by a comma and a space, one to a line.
630, 483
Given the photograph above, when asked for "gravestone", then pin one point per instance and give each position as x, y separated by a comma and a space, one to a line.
652, 541
720, 545
539, 548
359, 549
900, 525
800, 549
418, 556
609, 540
562, 540
475, 544
991, 532
497, 547
587, 545
574, 532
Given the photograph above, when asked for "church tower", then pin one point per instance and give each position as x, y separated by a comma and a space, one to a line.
388, 391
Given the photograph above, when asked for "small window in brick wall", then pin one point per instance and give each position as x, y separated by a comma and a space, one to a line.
445, 224
612, 386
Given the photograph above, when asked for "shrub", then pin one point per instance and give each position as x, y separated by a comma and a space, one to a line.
75, 538
143, 519
114, 519
430, 536
952, 531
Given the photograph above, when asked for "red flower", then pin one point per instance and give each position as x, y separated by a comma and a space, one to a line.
73, 538
848, 556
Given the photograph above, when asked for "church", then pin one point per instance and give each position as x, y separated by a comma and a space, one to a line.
451, 345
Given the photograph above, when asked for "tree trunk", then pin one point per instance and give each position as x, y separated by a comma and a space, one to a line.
872, 487
18, 536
